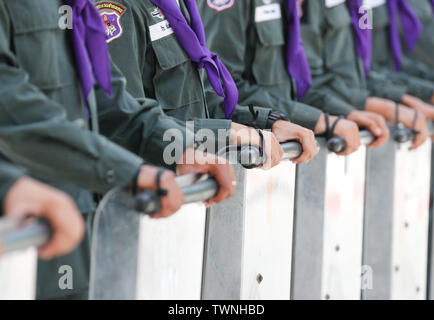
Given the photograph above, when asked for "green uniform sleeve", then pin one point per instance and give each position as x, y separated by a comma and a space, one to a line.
381, 87
417, 69
415, 86
329, 91
241, 115
226, 34
35, 133
9, 174
139, 126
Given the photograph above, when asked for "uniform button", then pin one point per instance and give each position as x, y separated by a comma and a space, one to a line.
110, 177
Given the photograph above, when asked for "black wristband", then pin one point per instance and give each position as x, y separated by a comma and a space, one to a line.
273, 117
160, 191
134, 186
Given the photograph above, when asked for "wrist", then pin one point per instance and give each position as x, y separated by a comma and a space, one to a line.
145, 178
273, 117
320, 125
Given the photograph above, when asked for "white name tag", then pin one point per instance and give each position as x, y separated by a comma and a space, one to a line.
333, 3
160, 30
268, 12
373, 3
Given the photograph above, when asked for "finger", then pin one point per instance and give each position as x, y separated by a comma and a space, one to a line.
417, 142
374, 128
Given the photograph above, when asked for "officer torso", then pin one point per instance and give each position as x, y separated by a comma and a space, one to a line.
43, 50
166, 73
335, 25
267, 48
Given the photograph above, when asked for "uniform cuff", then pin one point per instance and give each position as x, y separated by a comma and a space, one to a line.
304, 115
217, 136
6, 183
242, 115
117, 167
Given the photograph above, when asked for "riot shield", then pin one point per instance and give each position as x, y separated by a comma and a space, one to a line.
18, 275
18, 257
343, 226
249, 237
114, 249
135, 257
411, 223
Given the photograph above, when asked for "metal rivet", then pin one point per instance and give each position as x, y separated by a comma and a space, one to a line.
406, 225
396, 268
110, 177
337, 248
259, 278
417, 289
327, 296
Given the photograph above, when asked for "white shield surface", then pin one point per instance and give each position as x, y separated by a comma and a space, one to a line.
268, 228
171, 255
343, 226
411, 220
18, 275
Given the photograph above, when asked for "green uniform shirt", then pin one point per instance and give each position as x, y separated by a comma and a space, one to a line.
155, 65
337, 70
9, 174
44, 128
424, 49
382, 59
254, 53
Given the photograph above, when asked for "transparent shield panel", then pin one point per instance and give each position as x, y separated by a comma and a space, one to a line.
343, 226
268, 228
18, 275
410, 225
115, 238
171, 255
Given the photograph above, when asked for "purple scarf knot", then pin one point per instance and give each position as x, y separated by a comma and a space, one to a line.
90, 47
412, 28
298, 66
192, 40
362, 37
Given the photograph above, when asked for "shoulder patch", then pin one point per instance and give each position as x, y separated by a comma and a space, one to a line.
220, 5
111, 13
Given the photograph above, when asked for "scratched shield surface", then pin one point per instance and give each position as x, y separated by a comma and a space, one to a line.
268, 228
343, 226
170, 258
18, 275
411, 221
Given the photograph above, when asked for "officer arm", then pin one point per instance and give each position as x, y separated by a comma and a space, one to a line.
417, 69
226, 34
140, 125
36, 134
9, 174
420, 88
380, 86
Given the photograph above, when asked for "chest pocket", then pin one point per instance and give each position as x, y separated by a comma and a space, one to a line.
176, 81
39, 43
269, 66
339, 35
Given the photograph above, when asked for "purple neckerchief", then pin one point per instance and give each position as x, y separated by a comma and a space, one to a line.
412, 28
298, 66
192, 40
362, 37
90, 47
432, 4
